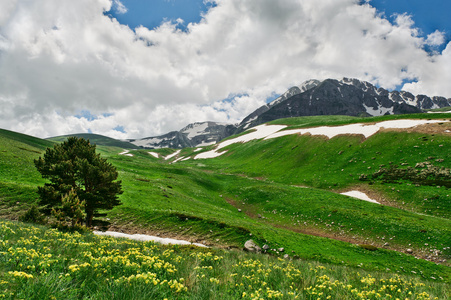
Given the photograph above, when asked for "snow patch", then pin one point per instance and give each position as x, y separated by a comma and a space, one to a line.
411, 101
196, 129
182, 158
154, 154
309, 84
439, 112
252, 119
204, 144
146, 238
380, 111
126, 153
172, 155
259, 132
147, 142
208, 154
359, 195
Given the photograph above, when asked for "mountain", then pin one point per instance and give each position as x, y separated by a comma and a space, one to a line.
309, 84
193, 135
350, 97
347, 96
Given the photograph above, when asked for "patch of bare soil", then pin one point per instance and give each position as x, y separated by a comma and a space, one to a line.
326, 138
433, 128
242, 208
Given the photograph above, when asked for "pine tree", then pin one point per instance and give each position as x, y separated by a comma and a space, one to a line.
71, 210
75, 165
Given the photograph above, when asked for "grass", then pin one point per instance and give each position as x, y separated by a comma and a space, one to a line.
287, 191
97, 139
336, 164
42, 263
19, 177
188, 202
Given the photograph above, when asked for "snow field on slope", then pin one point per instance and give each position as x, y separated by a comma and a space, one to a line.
274, 131
359, 128
259, 132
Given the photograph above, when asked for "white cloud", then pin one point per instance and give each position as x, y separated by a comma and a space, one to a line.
120, 7
436, 38
434, 76
58, 57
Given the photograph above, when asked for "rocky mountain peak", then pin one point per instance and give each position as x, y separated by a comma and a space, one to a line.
348, 96
309, 84
193, 135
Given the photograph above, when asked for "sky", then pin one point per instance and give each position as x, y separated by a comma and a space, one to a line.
140, 68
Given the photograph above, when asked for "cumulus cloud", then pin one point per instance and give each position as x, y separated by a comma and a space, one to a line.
59, 57
436, 38
433, 76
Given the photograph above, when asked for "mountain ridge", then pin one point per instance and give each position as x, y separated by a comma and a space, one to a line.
193, 135
348, 96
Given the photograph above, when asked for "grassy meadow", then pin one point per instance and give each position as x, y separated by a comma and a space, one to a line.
42, 263
281, 192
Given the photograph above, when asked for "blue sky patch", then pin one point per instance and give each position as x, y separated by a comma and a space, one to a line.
428, 16
87, 115
120, 129
151, 14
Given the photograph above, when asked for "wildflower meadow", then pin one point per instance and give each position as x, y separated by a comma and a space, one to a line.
44, 263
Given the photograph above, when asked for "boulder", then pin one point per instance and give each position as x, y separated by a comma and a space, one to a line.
251, 246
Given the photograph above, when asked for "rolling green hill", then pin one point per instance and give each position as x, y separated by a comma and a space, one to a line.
97, 139
18, 176
282, 192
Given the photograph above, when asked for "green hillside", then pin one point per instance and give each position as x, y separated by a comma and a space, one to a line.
282, 192
97, 139
18, 176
